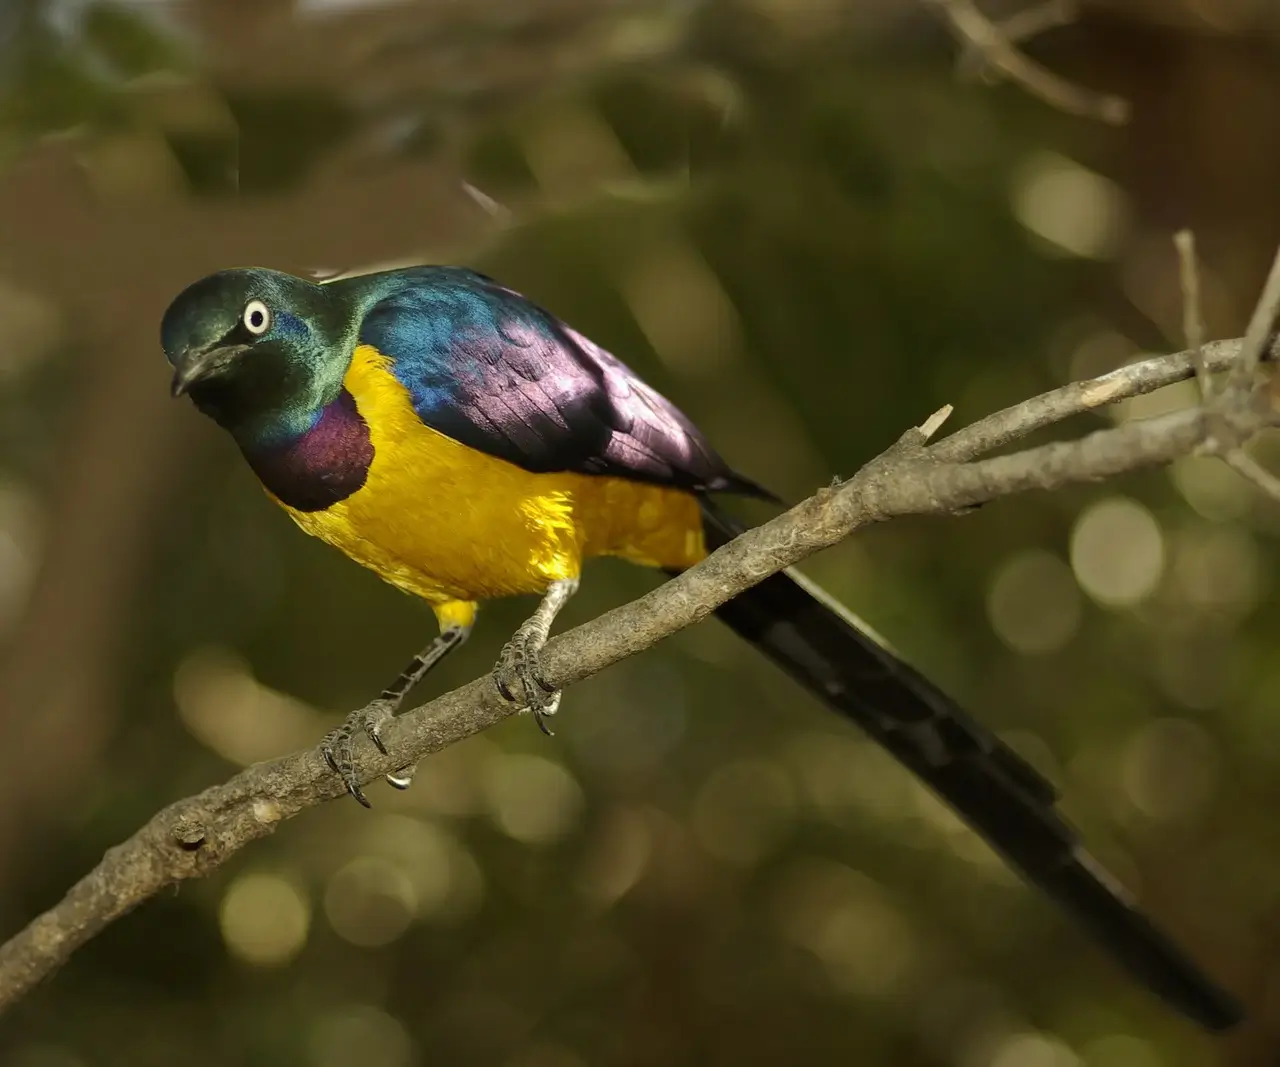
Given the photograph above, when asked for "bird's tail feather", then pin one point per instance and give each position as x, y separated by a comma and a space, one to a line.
828, 651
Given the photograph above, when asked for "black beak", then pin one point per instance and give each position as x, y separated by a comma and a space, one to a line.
200, 364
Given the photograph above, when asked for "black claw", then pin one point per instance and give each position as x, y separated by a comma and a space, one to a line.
337, 744
374, 717
519, 663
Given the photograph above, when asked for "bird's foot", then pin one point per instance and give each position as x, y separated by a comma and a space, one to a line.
518, 676
336, 746
403, 778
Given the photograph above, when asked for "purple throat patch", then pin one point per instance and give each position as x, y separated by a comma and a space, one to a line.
324, 465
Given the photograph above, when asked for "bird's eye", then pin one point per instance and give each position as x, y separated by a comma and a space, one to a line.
257, 317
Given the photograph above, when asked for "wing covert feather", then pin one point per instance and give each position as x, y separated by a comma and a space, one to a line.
500, 374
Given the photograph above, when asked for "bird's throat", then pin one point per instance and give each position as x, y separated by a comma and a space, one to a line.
321, 466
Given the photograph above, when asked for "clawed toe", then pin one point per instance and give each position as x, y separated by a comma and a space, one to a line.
541, 715
518, 677
403, 778
337, 747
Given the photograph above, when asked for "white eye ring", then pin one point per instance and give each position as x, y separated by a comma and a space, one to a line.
256, 317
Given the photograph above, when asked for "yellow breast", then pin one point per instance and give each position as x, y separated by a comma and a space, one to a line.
447, 523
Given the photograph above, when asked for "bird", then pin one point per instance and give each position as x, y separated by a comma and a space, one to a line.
467, 445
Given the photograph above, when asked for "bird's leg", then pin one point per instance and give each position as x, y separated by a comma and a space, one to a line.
336, 746
518, 665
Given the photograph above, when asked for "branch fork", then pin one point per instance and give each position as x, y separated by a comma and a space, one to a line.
915, 476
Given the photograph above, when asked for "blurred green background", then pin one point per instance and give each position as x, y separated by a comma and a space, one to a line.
800, 222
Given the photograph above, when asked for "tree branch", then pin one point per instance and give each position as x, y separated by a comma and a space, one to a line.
1261, 331
1017, 28
998, 52
194, 836
1136, 379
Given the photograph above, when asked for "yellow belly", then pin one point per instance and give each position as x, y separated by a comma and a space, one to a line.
450, 524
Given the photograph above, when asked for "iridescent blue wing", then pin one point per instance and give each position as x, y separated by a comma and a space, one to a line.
501, 375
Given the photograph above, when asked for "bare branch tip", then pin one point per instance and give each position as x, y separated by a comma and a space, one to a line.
1261, 326
486, 203
934, 422
1184, 241
1254, 472
996, 48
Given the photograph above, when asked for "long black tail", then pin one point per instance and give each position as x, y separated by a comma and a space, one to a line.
998, 794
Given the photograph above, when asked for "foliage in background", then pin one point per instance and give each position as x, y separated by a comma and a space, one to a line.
793, 220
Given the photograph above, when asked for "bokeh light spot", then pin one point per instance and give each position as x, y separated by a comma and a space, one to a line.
446, 880
849, 923
1211, 488
1033, 603
229, 711
742, 809
370, 902
357, 1034
1033, 1050
1096, 354
1068, 205
450, 783
264, 919
1121, 1050
848, 779
530, 798
1218, 569
1117, 552
621, 852
1170, 769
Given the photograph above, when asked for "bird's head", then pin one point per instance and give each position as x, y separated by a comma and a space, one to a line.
257, 350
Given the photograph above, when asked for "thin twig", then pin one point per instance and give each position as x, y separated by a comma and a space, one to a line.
1230, 453
1261, 326
934, 422
1136, 379
1249, 468
194, 836
1192, 314
999, 52
491, 207
1019, 28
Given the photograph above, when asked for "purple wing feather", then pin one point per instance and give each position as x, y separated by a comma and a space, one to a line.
498, 373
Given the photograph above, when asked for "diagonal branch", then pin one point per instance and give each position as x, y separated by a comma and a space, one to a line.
194, 836
994, 44
1019, 28
1137, 379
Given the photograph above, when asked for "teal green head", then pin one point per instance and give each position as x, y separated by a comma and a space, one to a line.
259, 351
